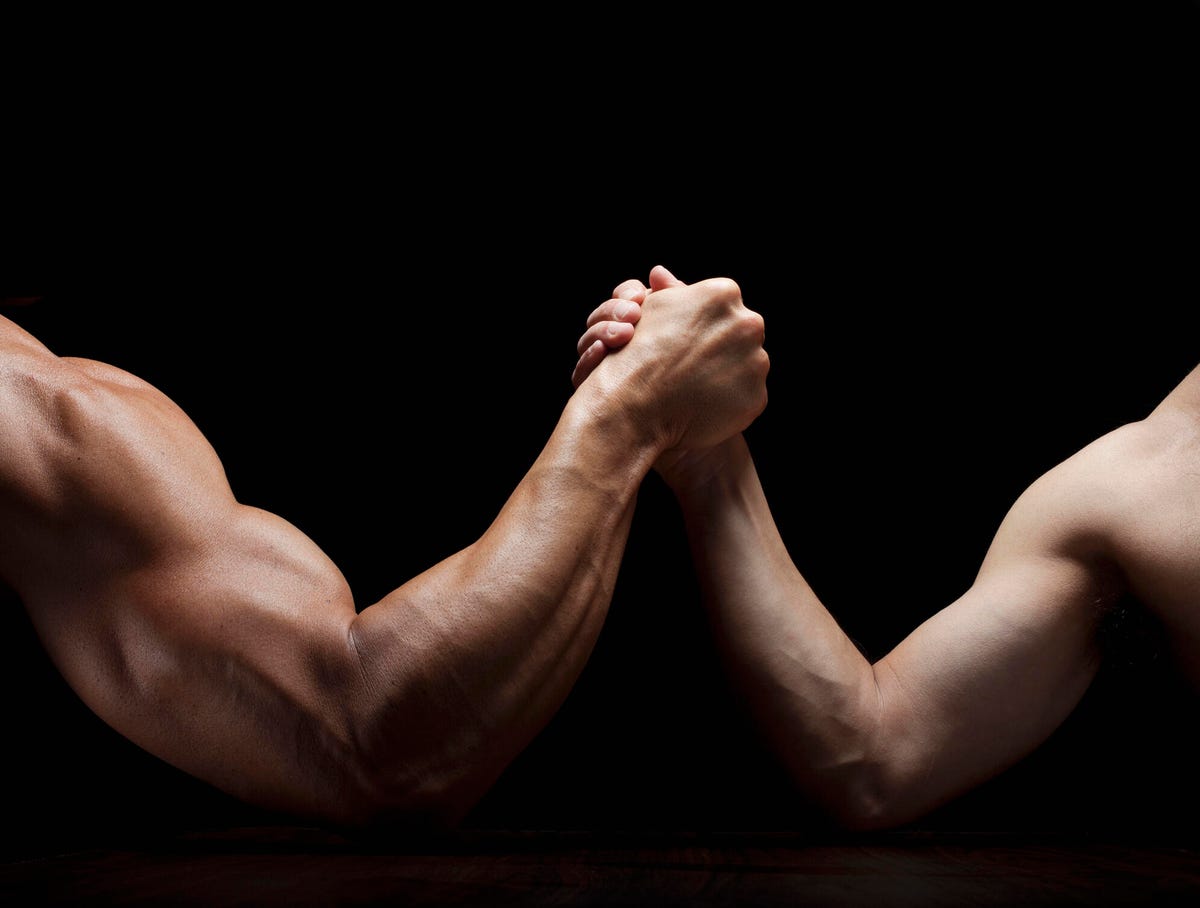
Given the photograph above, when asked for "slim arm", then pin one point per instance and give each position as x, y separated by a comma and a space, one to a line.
984, 680
967, 693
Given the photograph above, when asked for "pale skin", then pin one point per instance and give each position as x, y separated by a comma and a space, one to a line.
222, 639
987, 678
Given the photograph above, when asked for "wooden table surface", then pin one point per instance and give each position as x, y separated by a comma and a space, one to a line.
300, 866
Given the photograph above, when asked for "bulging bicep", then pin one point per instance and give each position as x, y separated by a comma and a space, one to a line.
212, 634
231, 661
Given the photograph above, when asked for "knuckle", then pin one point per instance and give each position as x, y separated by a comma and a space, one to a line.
755, 322
723, 288
751, 326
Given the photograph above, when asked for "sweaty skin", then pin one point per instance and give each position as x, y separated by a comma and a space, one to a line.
986, 679
220, 638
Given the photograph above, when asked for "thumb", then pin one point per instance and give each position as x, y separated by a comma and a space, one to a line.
661, 278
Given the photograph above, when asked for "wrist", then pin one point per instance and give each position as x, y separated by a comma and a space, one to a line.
696, 475
612, 408
622, 432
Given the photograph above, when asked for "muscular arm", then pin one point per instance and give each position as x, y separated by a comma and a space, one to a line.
220, 638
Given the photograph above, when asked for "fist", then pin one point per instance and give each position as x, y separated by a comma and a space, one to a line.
694, 369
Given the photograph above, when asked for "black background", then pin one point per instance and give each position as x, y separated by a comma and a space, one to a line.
362, 271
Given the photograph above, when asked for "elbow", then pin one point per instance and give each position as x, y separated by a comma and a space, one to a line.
374, 803
865, 810
879, 810
858, 796
400, 797
356, 777
404, 761
390, 816
875, 776
404, 789
421, 752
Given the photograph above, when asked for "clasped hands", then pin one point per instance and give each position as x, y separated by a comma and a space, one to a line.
692, 366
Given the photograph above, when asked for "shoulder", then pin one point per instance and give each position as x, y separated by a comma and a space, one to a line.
1154, 511
1130, 500
1086, 506
1105, 487
1146, 474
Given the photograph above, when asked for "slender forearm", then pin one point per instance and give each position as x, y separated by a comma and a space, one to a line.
809, 687
475, 654
972, 689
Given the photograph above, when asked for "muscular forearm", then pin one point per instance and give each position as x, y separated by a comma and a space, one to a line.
234, 651
222, 639
477, 653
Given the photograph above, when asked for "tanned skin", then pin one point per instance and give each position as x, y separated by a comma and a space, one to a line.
220, 638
